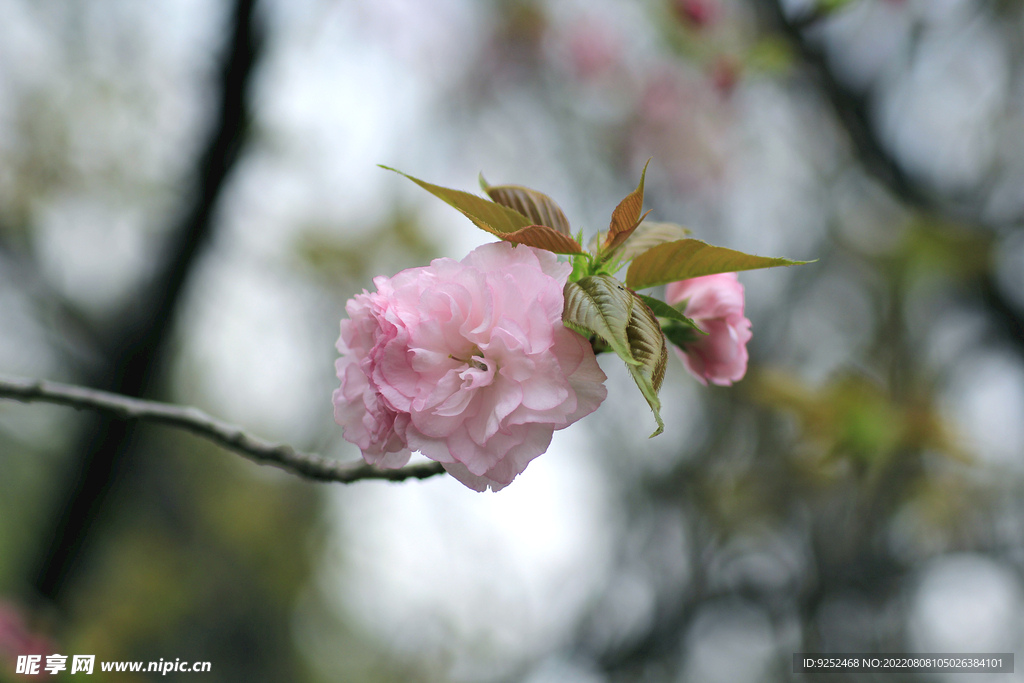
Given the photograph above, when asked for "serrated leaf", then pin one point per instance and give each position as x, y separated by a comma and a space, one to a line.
663, 310
537, 206
684, 259
543, 237
487, 215
647, 347
626, 216
600, 305
650, 234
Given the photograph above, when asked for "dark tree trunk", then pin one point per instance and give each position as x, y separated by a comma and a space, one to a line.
134, 353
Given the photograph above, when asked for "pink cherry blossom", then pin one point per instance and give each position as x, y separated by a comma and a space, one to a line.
715, 303
466, 362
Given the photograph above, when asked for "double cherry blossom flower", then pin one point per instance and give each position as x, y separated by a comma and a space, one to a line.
476, 363
466, 362
469, 363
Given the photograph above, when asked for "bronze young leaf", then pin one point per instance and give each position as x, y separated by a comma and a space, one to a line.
626, 216
544, 237
537, 206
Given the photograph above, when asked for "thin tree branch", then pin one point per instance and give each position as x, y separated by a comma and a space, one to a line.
307, 465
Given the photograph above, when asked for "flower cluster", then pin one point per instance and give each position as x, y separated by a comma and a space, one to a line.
466, 362
476, 363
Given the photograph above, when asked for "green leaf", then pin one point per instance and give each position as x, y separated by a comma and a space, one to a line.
684, 259
487, 215
650, 234
648, 350
600, 305
681, 335
626, 216
663, 310
543, 237
537, 206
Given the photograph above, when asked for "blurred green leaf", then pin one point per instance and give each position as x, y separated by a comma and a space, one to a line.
770, 55
833, 5
948, 249
333, 253
856, 417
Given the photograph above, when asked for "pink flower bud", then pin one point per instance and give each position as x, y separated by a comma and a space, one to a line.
715, 303
466, 362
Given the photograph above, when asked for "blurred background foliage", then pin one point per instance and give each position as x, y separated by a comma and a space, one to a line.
188, 196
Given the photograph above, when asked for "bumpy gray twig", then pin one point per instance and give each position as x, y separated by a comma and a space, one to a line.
308, 465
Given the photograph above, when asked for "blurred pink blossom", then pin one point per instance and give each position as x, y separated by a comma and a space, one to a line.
685, 123
466, 362
698, 13
16, 638
594, 50
715, 303
725, 74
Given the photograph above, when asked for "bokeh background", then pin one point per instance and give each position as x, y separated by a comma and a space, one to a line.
189, 195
